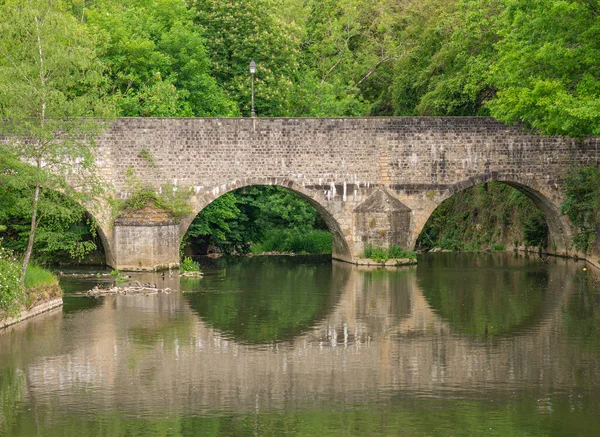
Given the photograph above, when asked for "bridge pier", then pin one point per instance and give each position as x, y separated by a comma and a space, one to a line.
147, 239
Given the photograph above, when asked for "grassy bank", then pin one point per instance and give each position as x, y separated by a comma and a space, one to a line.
294, 241
40, 285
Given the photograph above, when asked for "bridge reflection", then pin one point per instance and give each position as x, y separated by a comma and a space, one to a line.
380, 334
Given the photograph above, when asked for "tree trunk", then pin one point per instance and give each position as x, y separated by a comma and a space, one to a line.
34, 223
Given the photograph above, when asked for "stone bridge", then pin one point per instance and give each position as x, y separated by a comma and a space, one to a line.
373, 180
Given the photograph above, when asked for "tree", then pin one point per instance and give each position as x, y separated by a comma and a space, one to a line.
449, 50
548, 66
157, 59
51, 82
352, 46
241, 30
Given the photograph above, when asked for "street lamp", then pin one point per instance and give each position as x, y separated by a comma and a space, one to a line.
252, 71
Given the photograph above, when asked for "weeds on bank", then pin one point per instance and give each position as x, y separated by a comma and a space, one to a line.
382, 255
189, 265
119, 278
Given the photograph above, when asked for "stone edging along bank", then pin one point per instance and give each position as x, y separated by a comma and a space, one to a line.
34, 311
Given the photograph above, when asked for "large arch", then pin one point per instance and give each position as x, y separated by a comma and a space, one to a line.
201, 200
545, 197
100, 212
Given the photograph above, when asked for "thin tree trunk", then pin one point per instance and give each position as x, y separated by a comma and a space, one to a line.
34, 223
369, 73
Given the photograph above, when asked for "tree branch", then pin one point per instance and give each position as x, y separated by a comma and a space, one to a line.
370, 72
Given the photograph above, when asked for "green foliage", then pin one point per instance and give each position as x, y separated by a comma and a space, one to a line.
484, 217
582, 205
147, 156
239, 31
547, 66
350, 48
449, 48
397, 252
11, 291
119, 278
294, 241
157, 59
51, 84
381, 255
189, 265
14, 295
37, 276
535, 231
235, 220
168, 197
64, 231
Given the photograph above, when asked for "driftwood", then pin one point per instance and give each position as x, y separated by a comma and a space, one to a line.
137, 289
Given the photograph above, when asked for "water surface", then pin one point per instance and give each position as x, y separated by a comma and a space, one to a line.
471, 344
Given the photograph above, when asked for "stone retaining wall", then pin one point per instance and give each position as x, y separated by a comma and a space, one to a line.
34, 311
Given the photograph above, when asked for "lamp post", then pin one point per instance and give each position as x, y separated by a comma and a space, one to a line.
252, 71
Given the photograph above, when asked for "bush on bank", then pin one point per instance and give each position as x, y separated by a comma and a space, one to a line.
294, 241
582, 205
382, 255
12, 296
40, 285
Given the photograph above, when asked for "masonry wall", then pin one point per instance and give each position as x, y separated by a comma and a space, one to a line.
338, 162
410, 154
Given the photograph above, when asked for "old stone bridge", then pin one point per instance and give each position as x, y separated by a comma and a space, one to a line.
374, 180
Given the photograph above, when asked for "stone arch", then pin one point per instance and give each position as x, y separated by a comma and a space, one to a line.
546, 197
202, 199
101, 212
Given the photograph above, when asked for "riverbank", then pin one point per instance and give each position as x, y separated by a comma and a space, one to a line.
40, 308
41, 292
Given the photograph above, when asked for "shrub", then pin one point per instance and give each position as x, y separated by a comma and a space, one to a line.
582, 205
294, 241
382, 255
397, 252
189, 265
12, 295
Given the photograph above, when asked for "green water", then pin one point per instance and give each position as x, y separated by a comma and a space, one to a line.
461, 345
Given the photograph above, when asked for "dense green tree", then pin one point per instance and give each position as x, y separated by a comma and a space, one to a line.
49, 75
582, 205
483, 217
64, 231
235, 220
157, 59
241, 30
351, 45
548, 67
449, 50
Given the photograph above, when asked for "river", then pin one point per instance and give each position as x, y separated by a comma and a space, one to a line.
460, 345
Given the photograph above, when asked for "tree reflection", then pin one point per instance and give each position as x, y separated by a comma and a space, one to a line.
483, 295
266, 303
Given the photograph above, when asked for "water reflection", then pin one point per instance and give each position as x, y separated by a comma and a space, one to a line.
377, 353
267, 301
485, 294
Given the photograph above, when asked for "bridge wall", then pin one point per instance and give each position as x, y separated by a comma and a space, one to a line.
343, 165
